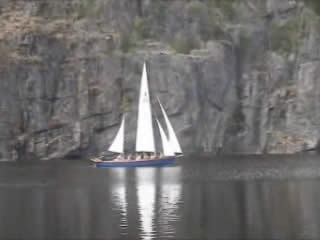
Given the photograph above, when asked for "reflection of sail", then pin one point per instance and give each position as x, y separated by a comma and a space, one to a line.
170, 195
119, 195
146, 200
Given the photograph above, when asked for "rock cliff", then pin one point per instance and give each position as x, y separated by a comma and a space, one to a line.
234, 75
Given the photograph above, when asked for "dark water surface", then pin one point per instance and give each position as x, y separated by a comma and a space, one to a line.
270, 197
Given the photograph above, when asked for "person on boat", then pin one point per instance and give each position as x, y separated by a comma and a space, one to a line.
139, 156
119, 157
153, 155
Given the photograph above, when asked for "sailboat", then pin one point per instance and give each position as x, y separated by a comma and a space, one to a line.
145, 150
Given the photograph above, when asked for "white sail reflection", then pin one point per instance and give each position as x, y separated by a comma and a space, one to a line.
119, 195
170, 197
146, 200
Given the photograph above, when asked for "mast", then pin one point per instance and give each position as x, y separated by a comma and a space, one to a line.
117, 145
172, 136
145, 136
167, 148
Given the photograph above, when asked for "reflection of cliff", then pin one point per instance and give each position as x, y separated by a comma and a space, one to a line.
239, 76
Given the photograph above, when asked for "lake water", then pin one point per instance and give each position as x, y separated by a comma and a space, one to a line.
266, 197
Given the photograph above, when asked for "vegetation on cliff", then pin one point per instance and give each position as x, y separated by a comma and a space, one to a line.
74, 66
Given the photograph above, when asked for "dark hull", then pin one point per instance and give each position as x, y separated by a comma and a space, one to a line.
137, 163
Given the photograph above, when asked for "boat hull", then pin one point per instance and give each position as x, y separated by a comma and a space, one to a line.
137, 163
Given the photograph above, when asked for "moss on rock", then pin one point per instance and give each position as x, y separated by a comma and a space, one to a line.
286, 38
314, 4
226, 7
185, 45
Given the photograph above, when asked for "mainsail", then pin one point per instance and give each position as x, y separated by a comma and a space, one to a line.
145, 137
172, 136
167, 149
118, 142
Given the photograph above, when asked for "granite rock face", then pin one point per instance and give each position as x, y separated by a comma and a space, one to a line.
234, 76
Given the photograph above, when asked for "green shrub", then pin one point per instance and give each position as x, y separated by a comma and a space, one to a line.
185, 45
125, 104
142, 28
199, 14
195, 8
225, 6
314, 4
286, 38
4, 54
127, 42
89, 8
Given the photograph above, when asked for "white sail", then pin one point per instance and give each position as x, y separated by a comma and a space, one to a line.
145, 137
118, 142
172, 136
167, 149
